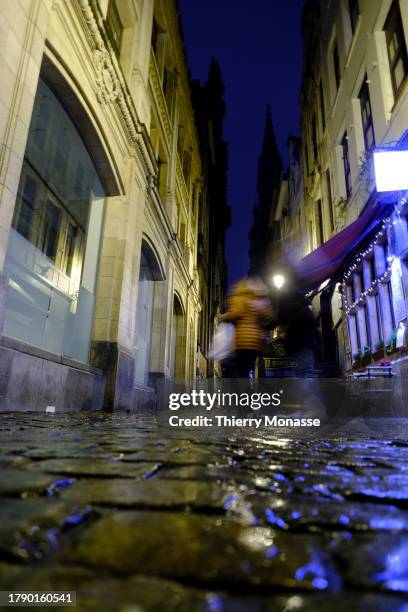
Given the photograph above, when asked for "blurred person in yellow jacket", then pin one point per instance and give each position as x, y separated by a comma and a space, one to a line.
249, 309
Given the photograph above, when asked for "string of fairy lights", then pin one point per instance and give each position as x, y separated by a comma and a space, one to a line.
386, 223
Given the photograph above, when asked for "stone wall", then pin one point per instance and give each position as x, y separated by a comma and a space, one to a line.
31, 379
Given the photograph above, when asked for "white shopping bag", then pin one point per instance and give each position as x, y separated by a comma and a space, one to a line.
401, 336
223, 342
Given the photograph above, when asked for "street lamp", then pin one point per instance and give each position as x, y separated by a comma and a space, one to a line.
278, 280
390, 166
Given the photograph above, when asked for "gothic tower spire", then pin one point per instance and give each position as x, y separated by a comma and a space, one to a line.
269, 165
268, 181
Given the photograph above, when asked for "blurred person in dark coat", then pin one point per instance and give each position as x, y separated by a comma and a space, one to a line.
249, 309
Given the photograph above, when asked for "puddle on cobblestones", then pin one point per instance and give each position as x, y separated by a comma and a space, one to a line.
185, 547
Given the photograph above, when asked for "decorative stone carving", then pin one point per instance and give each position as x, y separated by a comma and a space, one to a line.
92, 24
107, 82
151, 182
110, 89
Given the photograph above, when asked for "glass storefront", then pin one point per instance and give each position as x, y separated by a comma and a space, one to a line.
52, 257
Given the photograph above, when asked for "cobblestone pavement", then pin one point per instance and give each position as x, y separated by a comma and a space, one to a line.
135, 517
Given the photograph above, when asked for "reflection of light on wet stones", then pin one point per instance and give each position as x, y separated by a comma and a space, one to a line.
30, 527
314, 571
200, 517
261, 482
275, 520
376, 561
395, 574
255, 539
197, 547
60, 484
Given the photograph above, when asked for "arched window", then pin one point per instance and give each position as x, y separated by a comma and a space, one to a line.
52, 257
150, 271
178, 341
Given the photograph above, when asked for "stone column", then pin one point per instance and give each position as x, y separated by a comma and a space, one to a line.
23, 29
117, 290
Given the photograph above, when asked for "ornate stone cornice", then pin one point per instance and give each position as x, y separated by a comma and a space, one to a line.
110, 88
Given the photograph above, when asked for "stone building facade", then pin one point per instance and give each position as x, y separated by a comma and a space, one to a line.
290, 210
215, 214
354, 98
101, 181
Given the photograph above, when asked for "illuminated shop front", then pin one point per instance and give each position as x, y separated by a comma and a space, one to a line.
375, 290
53, 250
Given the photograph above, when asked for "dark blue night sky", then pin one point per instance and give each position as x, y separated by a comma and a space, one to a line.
258, 45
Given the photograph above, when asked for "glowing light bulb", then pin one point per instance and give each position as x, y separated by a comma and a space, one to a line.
278, 280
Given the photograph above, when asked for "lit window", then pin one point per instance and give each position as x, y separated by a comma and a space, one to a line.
397, 49
366, 116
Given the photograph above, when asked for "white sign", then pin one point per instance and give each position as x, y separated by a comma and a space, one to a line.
398, 296
391, 170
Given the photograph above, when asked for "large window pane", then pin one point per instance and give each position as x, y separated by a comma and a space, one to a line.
52, 256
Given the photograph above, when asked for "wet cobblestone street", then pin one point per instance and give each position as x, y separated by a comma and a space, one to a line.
136, 517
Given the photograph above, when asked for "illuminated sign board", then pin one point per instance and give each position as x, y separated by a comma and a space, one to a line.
391, 169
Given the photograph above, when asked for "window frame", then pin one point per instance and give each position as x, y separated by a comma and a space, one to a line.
322, 105
346, 164
112, 22
394, 27
336, 65
366, 115
319, 221
354, 12
329, 198
314, 139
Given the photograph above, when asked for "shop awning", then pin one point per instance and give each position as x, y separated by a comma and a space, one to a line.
323, 262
